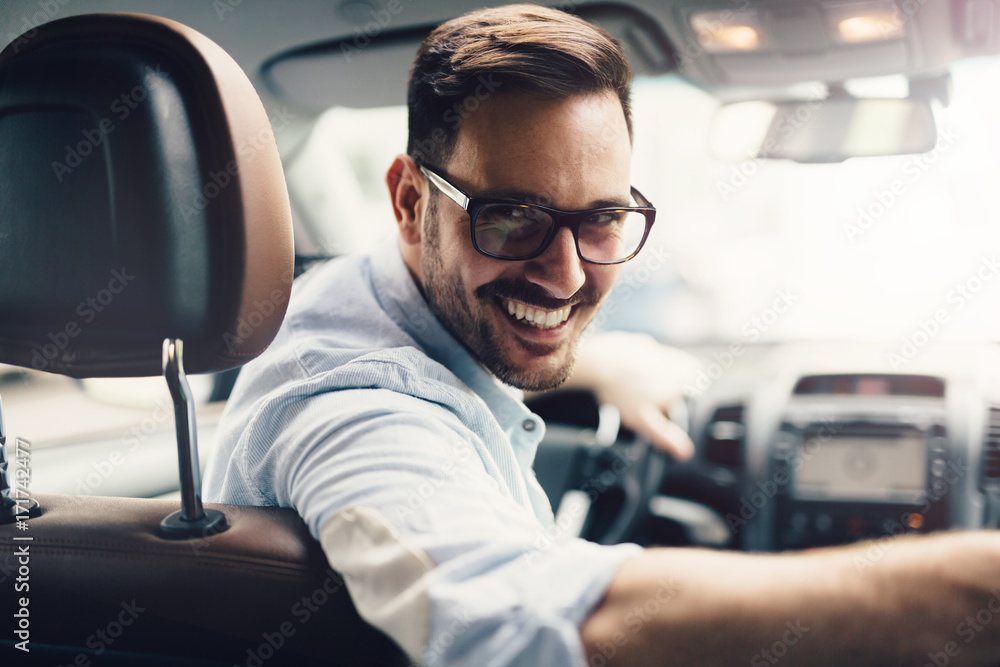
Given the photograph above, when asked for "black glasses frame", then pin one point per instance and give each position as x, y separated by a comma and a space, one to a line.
560, 218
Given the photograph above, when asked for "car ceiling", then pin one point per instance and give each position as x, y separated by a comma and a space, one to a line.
305, 53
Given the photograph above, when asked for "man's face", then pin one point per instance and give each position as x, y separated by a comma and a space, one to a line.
571, 153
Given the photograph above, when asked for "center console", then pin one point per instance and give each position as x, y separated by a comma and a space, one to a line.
845, 466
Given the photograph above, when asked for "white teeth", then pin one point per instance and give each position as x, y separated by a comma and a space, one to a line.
542, 319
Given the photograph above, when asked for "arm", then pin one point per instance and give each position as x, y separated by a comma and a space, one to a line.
911, 601
437, 548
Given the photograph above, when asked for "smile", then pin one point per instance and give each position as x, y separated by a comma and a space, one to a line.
538, 317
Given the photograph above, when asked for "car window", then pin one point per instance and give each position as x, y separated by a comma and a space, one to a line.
860, 250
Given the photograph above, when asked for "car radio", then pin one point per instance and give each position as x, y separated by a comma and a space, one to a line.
845, 469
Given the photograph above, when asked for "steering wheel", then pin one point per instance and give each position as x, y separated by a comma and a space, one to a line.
622, 480
600, 478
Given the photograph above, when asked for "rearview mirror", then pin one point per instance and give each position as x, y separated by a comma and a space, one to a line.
823, 130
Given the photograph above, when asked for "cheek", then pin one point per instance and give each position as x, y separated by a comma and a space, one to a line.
603, 278
468, 268
477, 270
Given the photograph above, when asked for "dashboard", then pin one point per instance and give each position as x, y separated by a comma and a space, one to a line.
799, 446
813, 445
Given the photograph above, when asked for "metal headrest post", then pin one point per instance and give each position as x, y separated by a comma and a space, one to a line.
193, 520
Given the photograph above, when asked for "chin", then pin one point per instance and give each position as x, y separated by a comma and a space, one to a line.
534, 374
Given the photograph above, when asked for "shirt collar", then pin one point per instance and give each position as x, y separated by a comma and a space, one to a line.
405, 304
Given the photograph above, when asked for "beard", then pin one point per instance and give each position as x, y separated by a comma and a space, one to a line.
477, 332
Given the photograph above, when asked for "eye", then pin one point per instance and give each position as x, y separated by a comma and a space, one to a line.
512, 220
606, 219
511, 230
512, 213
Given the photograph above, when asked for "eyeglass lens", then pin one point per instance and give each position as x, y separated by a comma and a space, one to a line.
506, 230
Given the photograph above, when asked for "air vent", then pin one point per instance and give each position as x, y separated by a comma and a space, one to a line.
725, 435
991, 447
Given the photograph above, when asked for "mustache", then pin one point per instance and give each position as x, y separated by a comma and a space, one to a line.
532, 294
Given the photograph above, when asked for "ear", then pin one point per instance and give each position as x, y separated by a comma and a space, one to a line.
407, 190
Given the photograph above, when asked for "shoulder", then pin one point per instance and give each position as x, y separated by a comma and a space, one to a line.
406, 373
319, 382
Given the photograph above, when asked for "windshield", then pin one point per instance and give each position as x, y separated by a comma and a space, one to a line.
750, 250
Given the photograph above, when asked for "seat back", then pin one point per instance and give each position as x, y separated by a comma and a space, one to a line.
259, 593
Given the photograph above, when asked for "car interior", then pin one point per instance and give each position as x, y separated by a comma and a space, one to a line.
825, 243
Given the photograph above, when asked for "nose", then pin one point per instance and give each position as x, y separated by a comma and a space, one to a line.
559, 270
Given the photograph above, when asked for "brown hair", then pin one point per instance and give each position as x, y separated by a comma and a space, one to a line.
517, 48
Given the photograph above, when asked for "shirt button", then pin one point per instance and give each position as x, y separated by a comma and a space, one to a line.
528, 425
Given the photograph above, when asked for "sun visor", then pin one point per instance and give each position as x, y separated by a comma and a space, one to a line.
364, 68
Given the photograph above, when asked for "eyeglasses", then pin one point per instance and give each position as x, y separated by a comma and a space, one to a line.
512, 230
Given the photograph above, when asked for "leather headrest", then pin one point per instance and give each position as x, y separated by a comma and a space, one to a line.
141, 197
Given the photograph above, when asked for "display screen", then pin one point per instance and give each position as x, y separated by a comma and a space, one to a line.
871, 385
890, 469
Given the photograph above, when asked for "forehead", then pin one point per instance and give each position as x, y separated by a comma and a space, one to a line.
569, 151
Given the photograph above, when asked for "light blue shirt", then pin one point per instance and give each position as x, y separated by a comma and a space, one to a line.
411, 464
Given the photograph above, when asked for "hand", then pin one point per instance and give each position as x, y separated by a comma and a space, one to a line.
640, 377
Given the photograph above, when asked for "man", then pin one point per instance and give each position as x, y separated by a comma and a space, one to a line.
388, 411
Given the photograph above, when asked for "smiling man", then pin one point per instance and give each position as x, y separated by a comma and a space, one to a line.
388, 410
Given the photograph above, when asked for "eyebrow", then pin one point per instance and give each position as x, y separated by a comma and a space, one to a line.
535, 198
